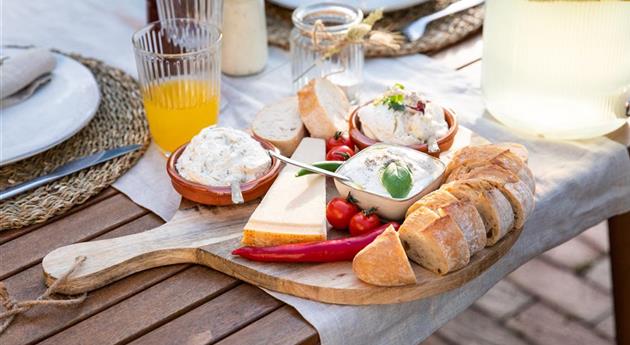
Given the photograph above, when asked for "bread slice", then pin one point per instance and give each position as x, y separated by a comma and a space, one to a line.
516, 191
463, 213
495, 210
384, 262
324, 108
438, 197
280, 124
438, 246
471, 157
469, 221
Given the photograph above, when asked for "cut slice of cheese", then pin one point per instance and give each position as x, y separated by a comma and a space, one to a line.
294, 208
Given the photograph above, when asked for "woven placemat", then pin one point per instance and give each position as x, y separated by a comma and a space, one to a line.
119, 121
439, 34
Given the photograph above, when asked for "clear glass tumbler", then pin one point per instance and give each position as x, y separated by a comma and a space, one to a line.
179, 67
204, 10
345, 68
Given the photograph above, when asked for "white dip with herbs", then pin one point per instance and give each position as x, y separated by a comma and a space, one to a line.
366, 167
403, 117
217, 156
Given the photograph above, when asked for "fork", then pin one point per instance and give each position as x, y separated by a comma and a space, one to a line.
416, 29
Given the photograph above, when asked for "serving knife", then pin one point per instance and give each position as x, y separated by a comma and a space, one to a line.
67, 169
416, 29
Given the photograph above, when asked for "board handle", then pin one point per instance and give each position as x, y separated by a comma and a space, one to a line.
112, 259
109, 260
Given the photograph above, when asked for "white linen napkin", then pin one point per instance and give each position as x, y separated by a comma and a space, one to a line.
23, 73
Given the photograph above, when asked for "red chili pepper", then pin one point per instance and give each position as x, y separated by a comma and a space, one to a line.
343, 249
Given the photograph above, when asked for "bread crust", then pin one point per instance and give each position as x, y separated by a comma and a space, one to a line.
495, 210
516, 191
438, 246
472, 157
319, 123
463, 213
384, 262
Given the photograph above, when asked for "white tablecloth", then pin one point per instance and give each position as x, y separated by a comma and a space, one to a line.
579, 183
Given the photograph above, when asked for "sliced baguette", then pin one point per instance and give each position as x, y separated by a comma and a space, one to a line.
438, 245
463, 213
324, 108
516, 191
495, 210
435, 198
471, 157
280, 123
469, 221
384, 262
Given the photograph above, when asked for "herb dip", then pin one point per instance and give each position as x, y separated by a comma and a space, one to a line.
403, 117
218, 155
366, 167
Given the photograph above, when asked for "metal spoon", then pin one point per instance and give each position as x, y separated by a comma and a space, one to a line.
309, 167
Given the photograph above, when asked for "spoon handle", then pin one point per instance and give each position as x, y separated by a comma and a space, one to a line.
308, 166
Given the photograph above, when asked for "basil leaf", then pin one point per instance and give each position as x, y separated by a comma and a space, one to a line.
396, 179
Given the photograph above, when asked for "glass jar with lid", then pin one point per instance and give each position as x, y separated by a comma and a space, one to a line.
309, 61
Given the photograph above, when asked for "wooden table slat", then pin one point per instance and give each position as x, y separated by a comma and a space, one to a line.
149, 309
283, 326
215, 319
8, 235
90, 222
38, 324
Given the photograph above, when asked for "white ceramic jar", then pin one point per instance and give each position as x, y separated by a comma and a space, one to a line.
244, 49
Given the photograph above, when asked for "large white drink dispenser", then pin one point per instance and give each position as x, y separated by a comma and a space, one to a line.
557, 68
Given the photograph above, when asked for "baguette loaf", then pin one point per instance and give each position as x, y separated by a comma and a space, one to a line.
471, 157
324, 108
384, 262
463, 213
436, 243
437, 197
516, 191
495, 210
517, 149
280, 124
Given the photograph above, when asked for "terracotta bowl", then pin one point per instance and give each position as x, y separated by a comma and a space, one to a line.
220, 195
363, 141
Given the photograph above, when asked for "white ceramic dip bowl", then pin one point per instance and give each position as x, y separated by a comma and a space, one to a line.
365, 168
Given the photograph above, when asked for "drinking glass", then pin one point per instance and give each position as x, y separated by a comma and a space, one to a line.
179, 67
204, 10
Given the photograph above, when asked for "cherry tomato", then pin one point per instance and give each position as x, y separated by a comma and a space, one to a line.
339, 211
364, 222
339, 153
339, 139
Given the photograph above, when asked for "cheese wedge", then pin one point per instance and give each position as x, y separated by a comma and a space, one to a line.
294, 208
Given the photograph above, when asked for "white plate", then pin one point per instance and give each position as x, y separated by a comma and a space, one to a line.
56, 111
365, 5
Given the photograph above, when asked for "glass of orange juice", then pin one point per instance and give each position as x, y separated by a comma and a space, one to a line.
179, 68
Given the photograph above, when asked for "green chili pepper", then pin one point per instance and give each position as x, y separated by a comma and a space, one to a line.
396, 179
331, 166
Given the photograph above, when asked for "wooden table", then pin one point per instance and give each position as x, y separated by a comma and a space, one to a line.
184, 302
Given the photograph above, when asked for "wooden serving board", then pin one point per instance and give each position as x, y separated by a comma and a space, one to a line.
207, 235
